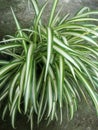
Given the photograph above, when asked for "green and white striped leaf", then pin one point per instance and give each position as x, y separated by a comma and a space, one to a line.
49, 49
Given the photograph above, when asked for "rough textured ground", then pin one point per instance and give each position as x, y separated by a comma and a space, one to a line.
84, 119
25, 13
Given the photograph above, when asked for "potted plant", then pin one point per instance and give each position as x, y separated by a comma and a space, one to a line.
50, 66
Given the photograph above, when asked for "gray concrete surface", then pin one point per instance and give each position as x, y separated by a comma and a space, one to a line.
84, 119
25, 13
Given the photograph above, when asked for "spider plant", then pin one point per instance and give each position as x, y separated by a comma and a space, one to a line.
50, 67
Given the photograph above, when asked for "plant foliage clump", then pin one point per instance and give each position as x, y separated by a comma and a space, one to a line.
50, 67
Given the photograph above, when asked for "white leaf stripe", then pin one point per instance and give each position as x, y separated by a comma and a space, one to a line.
34, 89
8, 46
89, 89
70, 102
21, 85
27, 85
20, 31
3, 95
82, 19
87, 14
41, 102
61, 83
52, 12
12, 87
66, 56
50, 102
61, 78
39, 15
64, 18
8, 67
27, 91
52, 75
14, 100
35, 4
49, 50
40, 81
81, 11
61, 44
4, 112
89, 39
